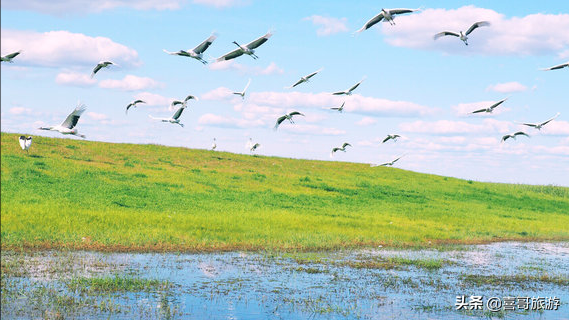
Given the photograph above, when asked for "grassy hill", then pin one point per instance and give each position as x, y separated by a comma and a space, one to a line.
69, 193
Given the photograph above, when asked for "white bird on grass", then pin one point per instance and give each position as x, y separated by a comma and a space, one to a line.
175, 118
387, 14
386, 163
349, 91
462, 36
538, 126
559, 66
197, 52
391, 137
343, 148
247, 49
285, 117
213, 145
306, 78
490, 108
340, 108
242, 93
133, 104
68, 126
101, 65
513, 135
9, 57
25, 143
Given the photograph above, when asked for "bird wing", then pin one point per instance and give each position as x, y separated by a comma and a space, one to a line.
178, 113
73, 117
297, 83
138, 101
336, 149
279, 121
446, 33
294, 113
478, 111
96, 69
12, 55
259, 41
529, 124
401, 10
476, 25
546, 122
559, 66
506, 137
204, 45
371, 22
312, 74
22, 142
345, 145
247, 86
392, 162
498, 103
28, 142
355, 86
189, 97
176, 102
521, 133
231, 55
339, 92
386, 139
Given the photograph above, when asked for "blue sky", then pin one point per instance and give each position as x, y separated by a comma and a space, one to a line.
414, 86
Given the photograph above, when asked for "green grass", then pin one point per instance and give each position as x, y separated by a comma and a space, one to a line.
77, 194
116, 284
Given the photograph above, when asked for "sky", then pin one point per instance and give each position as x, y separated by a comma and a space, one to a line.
420, 88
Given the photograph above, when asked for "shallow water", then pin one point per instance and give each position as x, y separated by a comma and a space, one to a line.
349, 284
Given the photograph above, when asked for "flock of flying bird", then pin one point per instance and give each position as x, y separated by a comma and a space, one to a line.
68, 126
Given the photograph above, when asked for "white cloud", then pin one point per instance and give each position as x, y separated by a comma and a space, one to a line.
507, 87
328, 25
60, 7
130, 83
221, 93
153, 99
311, 130
221, 3
446, 127
535, 34
75, 79
97, 116
63, 48
232, 65
210, 119
20, 110
366, 121
557, 128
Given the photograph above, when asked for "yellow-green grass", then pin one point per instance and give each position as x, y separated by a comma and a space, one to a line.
77, 194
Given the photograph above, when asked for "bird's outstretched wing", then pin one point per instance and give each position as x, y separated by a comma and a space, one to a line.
259, 41
386, 139
247, 86
371, 22
521, 133
506, 137
477, 25
22, 142
312, 74
497, 103
345, 145
176, 102
296, 83
178, 113
294, 113
205, 44
446, 33
96, 69
401, 11
12, 55
189, 97
336, 149
279, 121
355, 86
559, 66
231, 55
337, 93
71, 121
546, 122
479, 110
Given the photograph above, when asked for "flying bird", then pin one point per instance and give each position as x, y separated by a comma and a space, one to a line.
242, 93
252, 146
538, 126
133, 104
387, 14
343, 148
247, 49
306, 78
386, 163
391, 137
490, 108
175, 118
285, 117
197, 52
25, 143
183, 103
213, 145
462, 36
9, 57
349, 91
68, 125
340, 108
513, 135
559, 66
100, 65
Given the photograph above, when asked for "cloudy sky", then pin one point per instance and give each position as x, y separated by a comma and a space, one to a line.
414, 86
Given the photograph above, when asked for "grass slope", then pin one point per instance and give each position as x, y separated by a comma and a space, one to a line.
69, 193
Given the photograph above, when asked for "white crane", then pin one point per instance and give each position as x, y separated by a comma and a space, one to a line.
25, 143
349, 91
252, 146
391, 137
387, 14
68, 125
10, 56
197, 52
340, 108
101, 65
213, 145
343, 148
133, 104
242, 93
386, 163
538, 126
513, 135
490, 108
247, 49
559, 66
306, 78
463, 36
175, 118
285, 117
